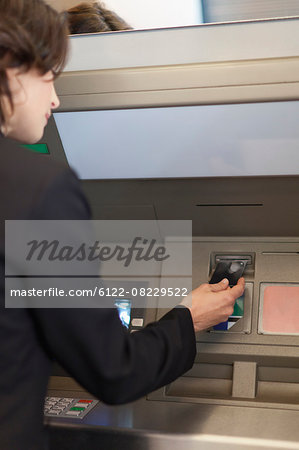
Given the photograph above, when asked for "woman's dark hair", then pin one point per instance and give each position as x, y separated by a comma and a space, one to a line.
32, 36
94, 18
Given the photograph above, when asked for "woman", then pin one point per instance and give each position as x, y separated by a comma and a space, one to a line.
91, 344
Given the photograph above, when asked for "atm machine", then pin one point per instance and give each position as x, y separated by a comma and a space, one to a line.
201, 124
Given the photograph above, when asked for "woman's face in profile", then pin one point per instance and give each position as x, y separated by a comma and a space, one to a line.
34, 97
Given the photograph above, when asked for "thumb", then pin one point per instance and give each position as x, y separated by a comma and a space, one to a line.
221, 286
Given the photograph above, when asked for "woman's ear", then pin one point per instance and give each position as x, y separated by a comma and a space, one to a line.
12, 77
18, 94
6, 103
7, 110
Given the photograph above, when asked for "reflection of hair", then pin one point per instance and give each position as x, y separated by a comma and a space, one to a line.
94, 18
32, 35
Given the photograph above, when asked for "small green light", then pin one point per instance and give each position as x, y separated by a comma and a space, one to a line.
38, 148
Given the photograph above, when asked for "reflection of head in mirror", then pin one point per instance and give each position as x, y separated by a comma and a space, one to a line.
94, 18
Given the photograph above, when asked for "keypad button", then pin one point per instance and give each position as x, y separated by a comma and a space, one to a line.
73, 413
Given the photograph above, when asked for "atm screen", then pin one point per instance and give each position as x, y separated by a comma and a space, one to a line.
246, 139
124, 311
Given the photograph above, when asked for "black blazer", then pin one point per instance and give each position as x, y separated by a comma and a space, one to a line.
92, 345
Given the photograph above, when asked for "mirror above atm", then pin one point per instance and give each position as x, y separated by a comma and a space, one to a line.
146, 14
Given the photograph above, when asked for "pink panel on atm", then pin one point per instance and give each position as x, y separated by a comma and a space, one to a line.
281, 309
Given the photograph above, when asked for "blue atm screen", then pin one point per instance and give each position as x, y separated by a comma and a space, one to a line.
124, 311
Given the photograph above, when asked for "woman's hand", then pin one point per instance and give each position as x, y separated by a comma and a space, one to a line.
211, 304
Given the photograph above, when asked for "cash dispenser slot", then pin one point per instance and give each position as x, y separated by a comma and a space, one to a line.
236, 381
242, 383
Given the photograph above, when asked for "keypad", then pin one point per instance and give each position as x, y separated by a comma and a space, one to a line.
68, 407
